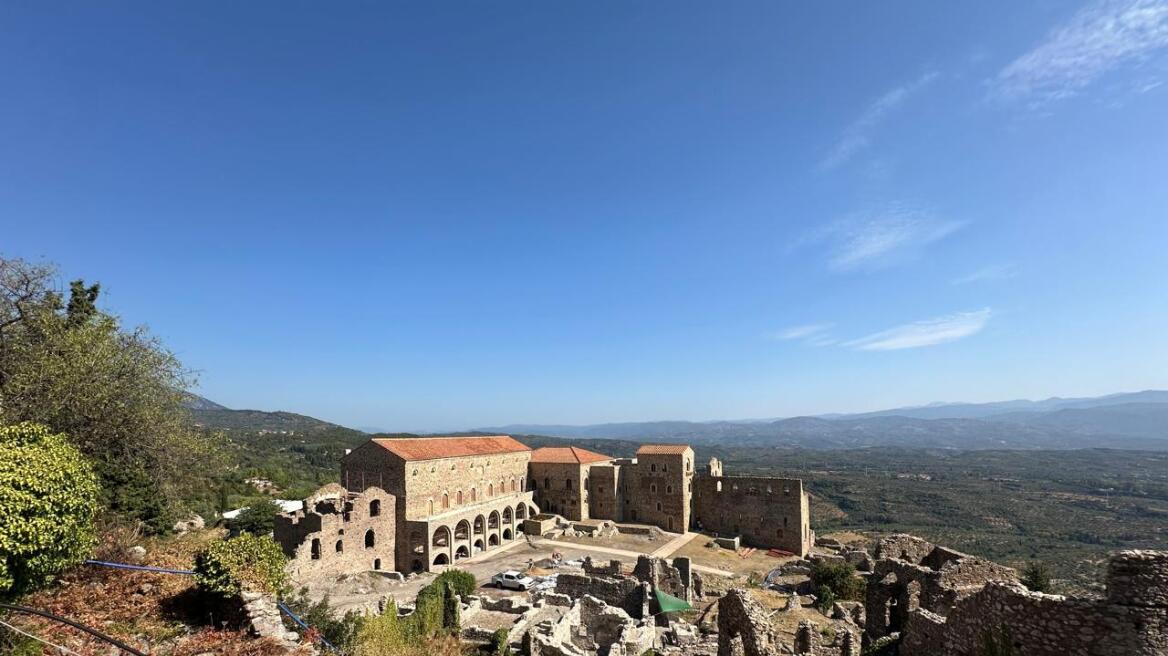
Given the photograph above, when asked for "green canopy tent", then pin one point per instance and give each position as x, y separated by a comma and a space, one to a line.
670, 604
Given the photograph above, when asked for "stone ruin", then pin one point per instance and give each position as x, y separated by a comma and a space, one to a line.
1131, 621
744, 629
590, 627
338, 532
912, 573
633, 593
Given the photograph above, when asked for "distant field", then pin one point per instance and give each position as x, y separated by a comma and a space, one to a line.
1068, 508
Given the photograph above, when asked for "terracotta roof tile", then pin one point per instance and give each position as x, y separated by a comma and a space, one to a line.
431, 448
662, 449
567, 455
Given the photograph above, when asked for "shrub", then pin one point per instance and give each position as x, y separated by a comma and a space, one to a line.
499, 643
1036, 576
384, 634
840, 578
464, 582
341, 632
245, 562
48, 499
825, 599
258, 518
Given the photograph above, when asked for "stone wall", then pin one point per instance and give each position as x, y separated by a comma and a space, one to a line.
560, 488
658, 490
743, 627
604, 499
339, 533
765, 512
590, 627
1131, 621
624, 593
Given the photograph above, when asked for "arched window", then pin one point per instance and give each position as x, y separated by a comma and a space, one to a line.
523, 485
512, 484
490, 490
547, 483
658, 506
431, 507
445, 500
665, 467
370, 539
375, 507
459, 497
653, 488
340, 546
567, 483
653, 467
668, 489
316, 548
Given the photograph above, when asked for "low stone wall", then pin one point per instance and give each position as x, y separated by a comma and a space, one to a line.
1132, 621
624, 593
264, 616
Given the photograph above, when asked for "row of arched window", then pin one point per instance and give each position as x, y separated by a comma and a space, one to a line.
339, 547
459, 498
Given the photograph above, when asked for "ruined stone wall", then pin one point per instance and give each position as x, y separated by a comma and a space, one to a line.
624, 593
559, 488
1131, 621
743, 627
338, 535
658, 491
766, 512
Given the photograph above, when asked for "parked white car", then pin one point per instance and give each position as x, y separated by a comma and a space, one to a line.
512, 580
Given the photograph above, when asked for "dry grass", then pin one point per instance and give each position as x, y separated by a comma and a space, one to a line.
162, 614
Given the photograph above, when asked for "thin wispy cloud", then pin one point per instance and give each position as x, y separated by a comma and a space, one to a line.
1099, 38
930, 332
803, 331
873, 240
858, 135
991, 273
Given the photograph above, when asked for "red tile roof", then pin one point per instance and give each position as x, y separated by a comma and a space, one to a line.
567, 455
431, 448
663, 449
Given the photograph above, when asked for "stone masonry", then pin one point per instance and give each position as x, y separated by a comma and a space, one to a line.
339, 532
1131, 621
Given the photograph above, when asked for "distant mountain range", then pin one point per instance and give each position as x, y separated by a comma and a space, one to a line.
1129, 421
213, 415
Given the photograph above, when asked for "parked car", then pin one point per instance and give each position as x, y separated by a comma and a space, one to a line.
512, 580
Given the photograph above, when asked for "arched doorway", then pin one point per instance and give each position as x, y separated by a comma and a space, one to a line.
479, 522
478, 545
493, 520
507, 515
493, 540
506, 534
521, 511
462, 531
441, 537
461, 552
441, 559
370, 539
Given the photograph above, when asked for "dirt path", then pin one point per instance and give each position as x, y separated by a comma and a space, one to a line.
634, 554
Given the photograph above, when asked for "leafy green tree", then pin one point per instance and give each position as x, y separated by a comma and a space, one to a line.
463, 582
48, 500
258, 518
825, 599
116, 393
245, 562
839, 578
499, 643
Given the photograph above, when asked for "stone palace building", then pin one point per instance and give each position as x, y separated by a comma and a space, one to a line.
414, 504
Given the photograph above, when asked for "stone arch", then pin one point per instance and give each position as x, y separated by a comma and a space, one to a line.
462, 531
521, 511
458, 498
340, 548
490, 490
315, 548
461, 552
474, 494
478, 545
480, 525
512, 483
445, 500
370, 539
493, 520
441, 537
441, 559
493, 539
506, 534
375, 507
507, 515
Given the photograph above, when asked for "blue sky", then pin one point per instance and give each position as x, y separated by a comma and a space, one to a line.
443, 215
